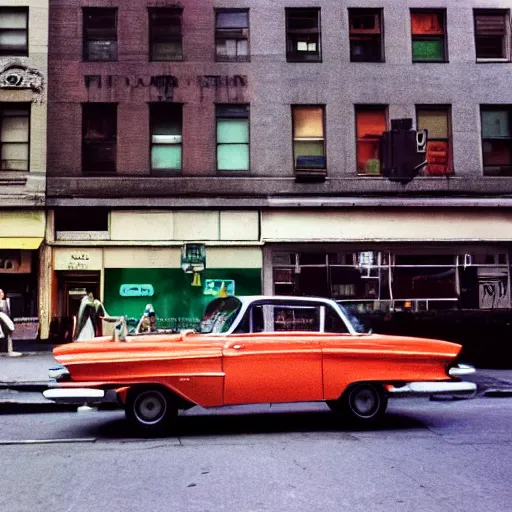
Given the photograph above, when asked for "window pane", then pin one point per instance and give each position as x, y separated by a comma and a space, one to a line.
427, 23
490, 47
14, 129
368, 157
308, 122
428, 50
495, 124
497, 152
435, 121
13, 19
232, 130
438, 158
238, 19
233, 157
102, 50
310, 148
170, 50
367, 49
15, 157
15, 40
166, 157
370, 123
242, 47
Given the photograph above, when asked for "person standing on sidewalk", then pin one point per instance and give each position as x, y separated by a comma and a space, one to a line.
6, 324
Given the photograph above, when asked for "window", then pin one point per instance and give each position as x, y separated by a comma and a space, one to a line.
165, 34
232, 35
233, 137
81, 219
366, 35
496, 139
166, 136
14, 136
14, 31
308, 137
99, 138
100, 34
370, 124
492, 34
303, 35
428, 36
436, 119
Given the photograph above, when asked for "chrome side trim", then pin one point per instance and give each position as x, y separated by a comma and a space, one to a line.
433, 388
461, 369
74, 395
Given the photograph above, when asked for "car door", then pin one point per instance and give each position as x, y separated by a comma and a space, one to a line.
276, 361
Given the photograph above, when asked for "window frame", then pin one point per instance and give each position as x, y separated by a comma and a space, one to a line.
292, 34
169, 171
171, 12
218, 107
219, 31
16, 105
93, 106
506, 38
431, 37
358, 107
323, 139
367, 34
449, 140
504, 171
14, 9
86, 38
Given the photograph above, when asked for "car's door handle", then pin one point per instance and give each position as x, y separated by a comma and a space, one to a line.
238, 347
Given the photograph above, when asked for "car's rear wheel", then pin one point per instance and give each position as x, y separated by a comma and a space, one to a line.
151, 410
362, 403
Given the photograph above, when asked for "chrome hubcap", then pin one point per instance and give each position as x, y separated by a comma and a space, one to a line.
365, 402
150, 407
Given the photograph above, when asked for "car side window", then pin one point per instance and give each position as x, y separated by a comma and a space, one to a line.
252, 321
296, 318
333, 322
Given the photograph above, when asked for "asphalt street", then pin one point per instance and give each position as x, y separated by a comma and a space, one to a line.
425, 456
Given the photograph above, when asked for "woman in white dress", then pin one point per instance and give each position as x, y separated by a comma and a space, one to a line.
89, 316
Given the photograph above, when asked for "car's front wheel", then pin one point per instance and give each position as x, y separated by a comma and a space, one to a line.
151, 410
362, 403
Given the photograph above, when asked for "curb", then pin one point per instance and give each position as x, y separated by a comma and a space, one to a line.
497, 393
36, 386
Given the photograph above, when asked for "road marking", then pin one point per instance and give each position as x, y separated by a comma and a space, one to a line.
49, 441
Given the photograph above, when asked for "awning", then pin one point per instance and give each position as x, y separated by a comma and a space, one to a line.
24, 243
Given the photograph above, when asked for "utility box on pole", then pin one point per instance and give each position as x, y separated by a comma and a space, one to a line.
403, 151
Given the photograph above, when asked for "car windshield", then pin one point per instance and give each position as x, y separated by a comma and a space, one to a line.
353, 318
219, 315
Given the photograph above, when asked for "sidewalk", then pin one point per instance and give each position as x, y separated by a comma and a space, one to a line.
23, 378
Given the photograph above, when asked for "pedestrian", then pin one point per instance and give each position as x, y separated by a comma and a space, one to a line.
147, 322
6, 324
90, 314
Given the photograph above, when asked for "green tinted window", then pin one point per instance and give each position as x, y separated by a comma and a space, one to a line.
232, 130
166, 157
428, 50
233, 157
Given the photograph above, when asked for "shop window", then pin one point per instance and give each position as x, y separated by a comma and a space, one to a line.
370, 124
14, 136
99, 34
308, 137
165, 37
99, 138
232, 35
496, 140
492, 34
428, 30
232, 137
366, 35
14, 31
303, 42
436, 119
166, 136
81, 219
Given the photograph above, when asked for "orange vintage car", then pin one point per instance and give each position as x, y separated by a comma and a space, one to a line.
257, 350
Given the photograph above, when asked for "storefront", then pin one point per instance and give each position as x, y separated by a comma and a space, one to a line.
21, 235
394, 261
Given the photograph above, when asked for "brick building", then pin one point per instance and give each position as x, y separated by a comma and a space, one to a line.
253, 129
23, 103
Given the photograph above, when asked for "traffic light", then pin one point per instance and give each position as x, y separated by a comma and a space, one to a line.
403, 151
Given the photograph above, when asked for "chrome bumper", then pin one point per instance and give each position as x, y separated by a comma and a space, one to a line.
433, 388
77, 396
461, 369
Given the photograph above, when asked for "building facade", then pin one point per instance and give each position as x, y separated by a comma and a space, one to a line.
23, 105
253, 129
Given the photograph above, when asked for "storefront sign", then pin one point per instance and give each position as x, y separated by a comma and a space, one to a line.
85, 259
136, 290
219, 287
